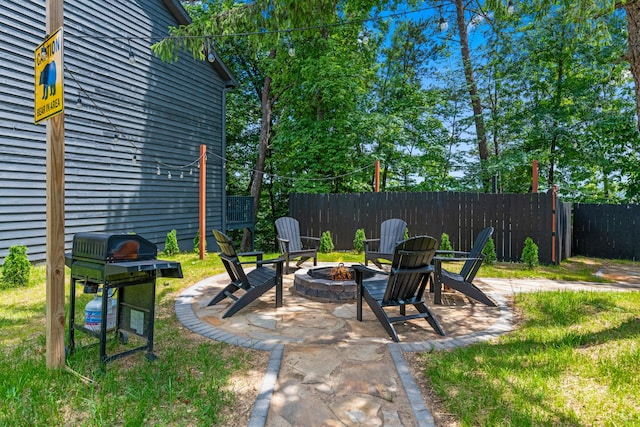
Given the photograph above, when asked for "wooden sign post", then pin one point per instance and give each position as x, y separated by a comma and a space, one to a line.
55, 321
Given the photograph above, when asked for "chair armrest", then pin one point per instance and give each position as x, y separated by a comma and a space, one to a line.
312, 242
441, 252
365, 269
439, 259
257, 254
368, 242
359, 269
270, 261
283, 244
424, 269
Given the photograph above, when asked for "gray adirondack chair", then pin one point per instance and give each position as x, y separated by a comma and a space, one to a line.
254, 283
463, 281
405, 285
294, 246
391, 233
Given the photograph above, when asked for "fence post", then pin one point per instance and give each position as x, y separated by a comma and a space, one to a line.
554, 209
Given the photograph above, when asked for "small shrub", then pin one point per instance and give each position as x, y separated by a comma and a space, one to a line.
489, 252
326, 243
358, 241
16, 268
406, 233
445, 245
530, 253
196, 243
171, 243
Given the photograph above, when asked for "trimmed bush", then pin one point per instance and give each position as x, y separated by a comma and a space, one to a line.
489, 252
358, 241
530, 253
16, 268
445, 245
171, 243
326, 243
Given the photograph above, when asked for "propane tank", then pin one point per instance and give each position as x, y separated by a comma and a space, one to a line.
93, 312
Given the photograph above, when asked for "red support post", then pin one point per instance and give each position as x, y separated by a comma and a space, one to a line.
203, 199
377, 176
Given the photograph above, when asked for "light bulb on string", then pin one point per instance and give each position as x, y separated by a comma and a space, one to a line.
511, 7
132, 58
115, 138
135, 159
169, 175
191, 171
363, 37
443, 24
292, 50
158, 171
211, 56
181, 174
79, 104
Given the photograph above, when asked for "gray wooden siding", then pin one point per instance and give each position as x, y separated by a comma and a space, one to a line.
162, 111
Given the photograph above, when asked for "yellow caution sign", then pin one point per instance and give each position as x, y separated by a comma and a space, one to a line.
49, 73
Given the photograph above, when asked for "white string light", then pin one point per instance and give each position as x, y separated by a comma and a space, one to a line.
259, 32
211, 56
132, 58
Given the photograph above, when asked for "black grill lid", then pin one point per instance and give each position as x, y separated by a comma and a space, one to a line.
106, 247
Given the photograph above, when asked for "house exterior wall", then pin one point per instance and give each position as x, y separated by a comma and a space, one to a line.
135, 120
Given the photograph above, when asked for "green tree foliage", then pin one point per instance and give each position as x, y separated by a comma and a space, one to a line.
326, 243
16, 268
171, 243
561, 104
358, 240
530, 253
318, 102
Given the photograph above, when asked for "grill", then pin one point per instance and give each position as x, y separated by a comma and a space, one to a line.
123, 266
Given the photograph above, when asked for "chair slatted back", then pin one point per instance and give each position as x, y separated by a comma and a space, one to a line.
230, 259
471, 266
391, 233
415, 253
289, 229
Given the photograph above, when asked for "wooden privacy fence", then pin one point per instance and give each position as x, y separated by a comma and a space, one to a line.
461, 215
606, 231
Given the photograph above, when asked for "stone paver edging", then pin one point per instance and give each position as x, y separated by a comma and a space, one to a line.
186, 316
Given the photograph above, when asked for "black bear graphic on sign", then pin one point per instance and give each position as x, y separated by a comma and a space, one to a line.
48, 76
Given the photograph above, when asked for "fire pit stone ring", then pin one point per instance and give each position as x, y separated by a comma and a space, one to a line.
327, 284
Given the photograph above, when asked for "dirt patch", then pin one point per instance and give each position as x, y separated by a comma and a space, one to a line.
620, 273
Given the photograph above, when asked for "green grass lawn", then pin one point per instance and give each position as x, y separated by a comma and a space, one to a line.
572, 350
573, 361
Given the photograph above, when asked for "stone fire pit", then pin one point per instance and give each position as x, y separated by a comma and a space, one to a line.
327, 284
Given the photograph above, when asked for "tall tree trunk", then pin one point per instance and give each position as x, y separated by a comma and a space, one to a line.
556, 106
478, 119
633, 55
263, 147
